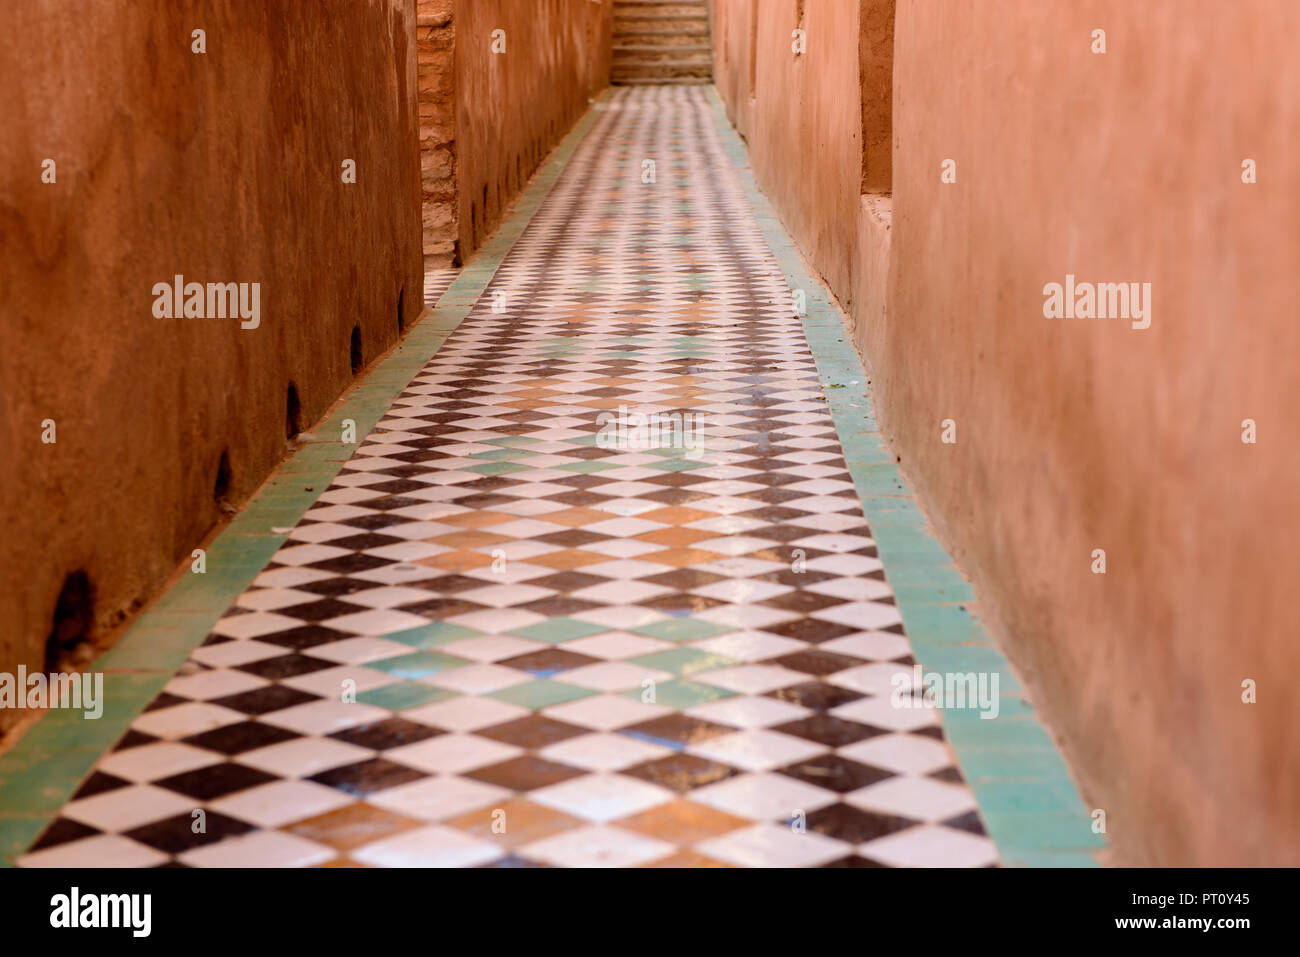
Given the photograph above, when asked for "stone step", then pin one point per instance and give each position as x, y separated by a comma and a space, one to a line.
666, 57
661, 71
656, 7
666, 28
664, 81
685, 49
661, 41
628, 21
700, 35
702, 30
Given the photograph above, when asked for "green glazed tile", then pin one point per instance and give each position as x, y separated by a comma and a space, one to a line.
541, 693
431, 636
682, 694
556, 630
404, 694
681, 629
418, 664
683, 661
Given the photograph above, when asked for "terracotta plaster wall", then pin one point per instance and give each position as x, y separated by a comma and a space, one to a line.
800, 115
1081, 434
223, 166
513, 107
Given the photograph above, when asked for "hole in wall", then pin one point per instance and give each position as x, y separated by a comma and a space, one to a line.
357, 362
221, 488
74, 614
292, 413
401, 314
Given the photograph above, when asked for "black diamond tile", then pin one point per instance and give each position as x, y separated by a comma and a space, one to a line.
285, 666
99, 783
389, 733
317, 611
184, 832
265, 700
303, 637
215, 780
836, 773
969, 822
817, 695
239, 737
62, 831
854, 825
829, 730
367, 777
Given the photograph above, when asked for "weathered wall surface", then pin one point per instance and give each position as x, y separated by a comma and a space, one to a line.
223, 166
514, 106
1078, 434
436, 46
800, 114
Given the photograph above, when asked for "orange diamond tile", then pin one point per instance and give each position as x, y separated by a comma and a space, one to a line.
685, 859
676, 515
522, 823
471, 539
682, 822
457, 561
576, 517
351, 826
681, 557
568, 559
675, 536
475, 519
342, 862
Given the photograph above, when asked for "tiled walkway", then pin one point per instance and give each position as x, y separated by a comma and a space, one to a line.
563, 653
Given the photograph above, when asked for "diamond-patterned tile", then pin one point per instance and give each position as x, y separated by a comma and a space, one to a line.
498, 639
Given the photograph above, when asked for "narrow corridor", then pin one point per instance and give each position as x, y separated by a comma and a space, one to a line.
496, 640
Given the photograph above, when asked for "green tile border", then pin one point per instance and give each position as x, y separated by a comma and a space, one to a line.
45, 767
1030, 805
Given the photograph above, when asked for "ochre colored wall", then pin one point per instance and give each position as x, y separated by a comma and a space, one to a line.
223, 166
513, 107
1082, 434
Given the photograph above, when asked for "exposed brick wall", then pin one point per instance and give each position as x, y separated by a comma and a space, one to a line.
436, 53
488, 119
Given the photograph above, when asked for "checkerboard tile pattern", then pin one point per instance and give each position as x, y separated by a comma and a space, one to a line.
495, 641
436, 282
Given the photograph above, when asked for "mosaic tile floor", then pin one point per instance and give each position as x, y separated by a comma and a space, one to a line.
436, 281
565, 654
